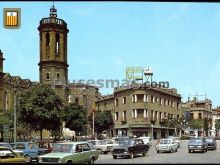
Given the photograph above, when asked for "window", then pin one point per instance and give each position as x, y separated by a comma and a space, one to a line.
48, 75
200, 115
161, 101
58, 75
124, 116
124, 100
116, 116
47, 39
57, 42
116, 102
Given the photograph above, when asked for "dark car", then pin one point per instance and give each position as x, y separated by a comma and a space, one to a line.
129, 147
197, 144
211, 143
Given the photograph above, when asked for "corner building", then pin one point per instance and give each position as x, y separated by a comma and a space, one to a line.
141, 111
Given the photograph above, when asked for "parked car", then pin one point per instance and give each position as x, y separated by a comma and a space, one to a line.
166, 145
70, 153
212, 144
146, 140
110, 144
45, 144
7, 155
100, 145
129, 147
8, 145
30, 149
175, 139
197, 144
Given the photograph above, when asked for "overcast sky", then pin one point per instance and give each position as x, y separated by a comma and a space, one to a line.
180, 41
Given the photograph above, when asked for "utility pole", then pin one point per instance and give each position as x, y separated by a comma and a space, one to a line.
15, 117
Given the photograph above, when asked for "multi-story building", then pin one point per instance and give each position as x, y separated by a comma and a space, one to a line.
215, 116
139, 111
200, 109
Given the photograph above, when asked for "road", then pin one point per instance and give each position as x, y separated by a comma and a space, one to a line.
182, 156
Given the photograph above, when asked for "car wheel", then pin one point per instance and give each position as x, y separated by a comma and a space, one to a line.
114, 156
171, 150
91, 161
27, 158
131, 155
189, 151
176, 149
144, 153
158, 151
69, 162
100, 151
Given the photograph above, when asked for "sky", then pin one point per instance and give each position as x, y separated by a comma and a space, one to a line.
179, 40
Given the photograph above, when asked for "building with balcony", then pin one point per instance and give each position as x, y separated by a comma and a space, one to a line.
200, 109
142, 111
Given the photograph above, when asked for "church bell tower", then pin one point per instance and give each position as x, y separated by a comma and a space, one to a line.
53, 67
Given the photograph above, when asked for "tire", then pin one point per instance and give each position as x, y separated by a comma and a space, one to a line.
171, 150
91, 161
27, 158
69, 162
144, 153
100, 151
158, 151
131, 155
176, 149
189, 151
114, 156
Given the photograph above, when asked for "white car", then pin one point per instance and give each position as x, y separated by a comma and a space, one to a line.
175, 139
8, 145
99, 145
166, 145
111, 144
146, 140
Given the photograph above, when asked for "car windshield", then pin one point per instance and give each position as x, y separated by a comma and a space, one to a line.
6, 145
165, 142
32, 145
209, 140
125, 141
65, 148
195, 140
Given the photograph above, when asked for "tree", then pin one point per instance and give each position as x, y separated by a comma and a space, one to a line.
74, 117
103, 121
40, 108
206, 125
217, 126
197, 124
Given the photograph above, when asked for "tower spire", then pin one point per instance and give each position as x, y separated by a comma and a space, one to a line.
53, 11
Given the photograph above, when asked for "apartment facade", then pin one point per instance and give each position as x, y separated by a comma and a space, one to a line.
200, 109
141, 111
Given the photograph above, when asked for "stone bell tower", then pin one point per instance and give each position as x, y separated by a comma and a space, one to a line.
53, 67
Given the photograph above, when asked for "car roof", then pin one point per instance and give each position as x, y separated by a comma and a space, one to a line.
2, 147
71, 142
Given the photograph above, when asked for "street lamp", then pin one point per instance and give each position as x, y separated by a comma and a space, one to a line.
152, 129
15, 116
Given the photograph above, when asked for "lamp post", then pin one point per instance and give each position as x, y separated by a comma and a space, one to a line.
152, 129
15, 116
